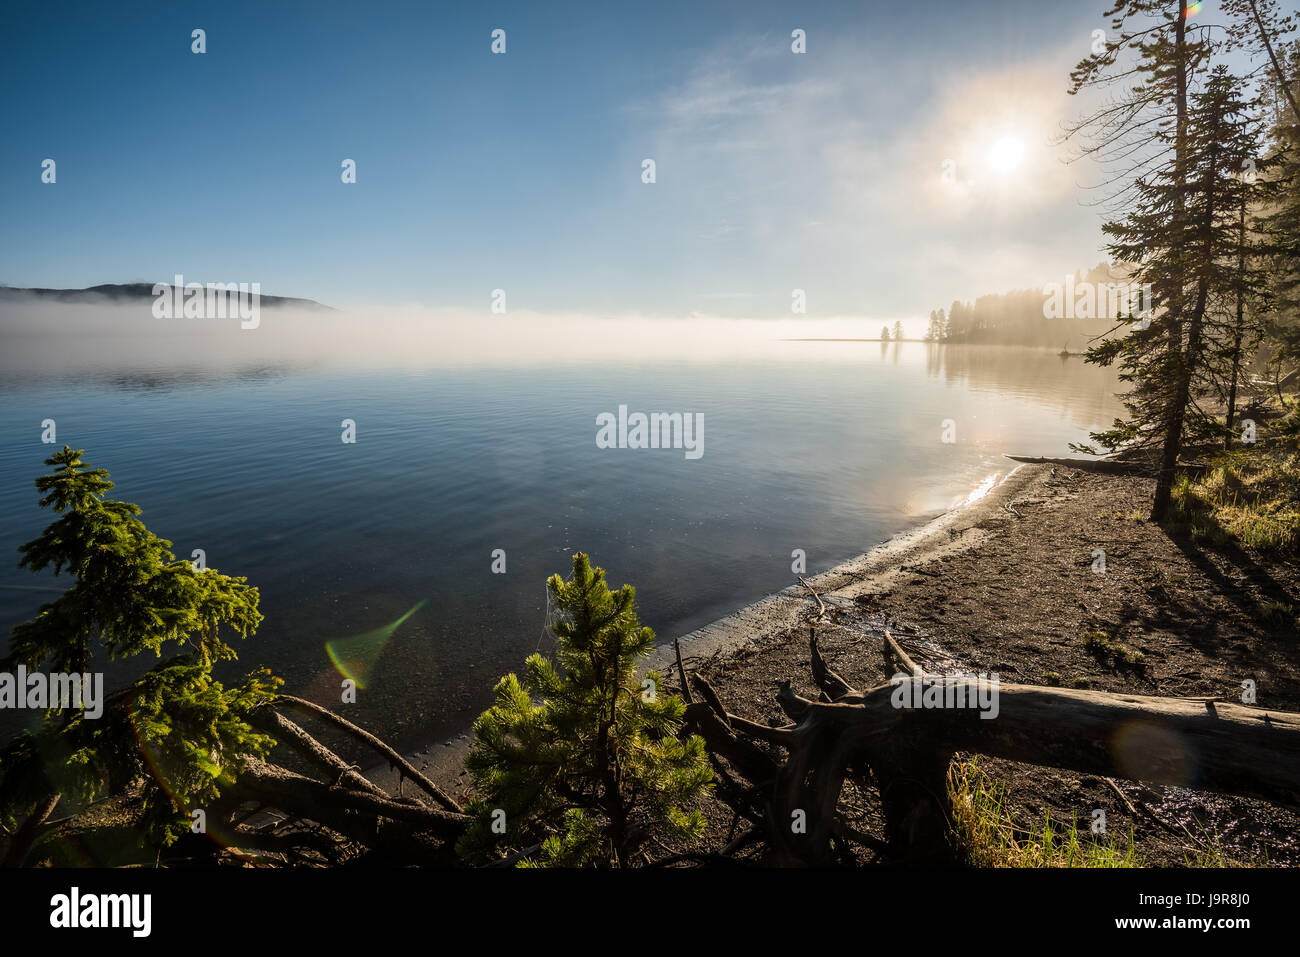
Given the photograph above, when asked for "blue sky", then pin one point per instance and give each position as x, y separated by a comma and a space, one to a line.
522, 171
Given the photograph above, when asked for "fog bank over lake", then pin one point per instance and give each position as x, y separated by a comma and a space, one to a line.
61, 338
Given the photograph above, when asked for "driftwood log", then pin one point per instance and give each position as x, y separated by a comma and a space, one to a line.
1104, 466
1193, 742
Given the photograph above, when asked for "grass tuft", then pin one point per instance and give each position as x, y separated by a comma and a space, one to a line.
1104, 649
1247, 496
988, 837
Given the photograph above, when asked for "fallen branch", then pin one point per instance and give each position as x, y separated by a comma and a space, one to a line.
892, 647
308, 707
917, 570
403, 831
1103, 466
287, 732
681, 673
820, 604
711, 698
823, 674
1147, 811
1212, 746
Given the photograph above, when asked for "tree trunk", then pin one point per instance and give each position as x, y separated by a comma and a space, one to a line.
1100, 466
1174, 425
1169, 456
1239, 331
1190, 358
402, 831
25, 837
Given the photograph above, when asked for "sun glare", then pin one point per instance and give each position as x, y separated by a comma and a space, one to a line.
1006, 154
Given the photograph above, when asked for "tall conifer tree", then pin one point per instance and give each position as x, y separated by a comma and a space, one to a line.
1186, 240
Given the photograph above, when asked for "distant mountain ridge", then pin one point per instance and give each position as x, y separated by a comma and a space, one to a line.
133, 291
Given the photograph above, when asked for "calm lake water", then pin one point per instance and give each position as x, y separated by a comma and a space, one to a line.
829, 447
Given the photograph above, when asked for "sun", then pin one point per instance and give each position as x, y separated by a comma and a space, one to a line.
1006, 154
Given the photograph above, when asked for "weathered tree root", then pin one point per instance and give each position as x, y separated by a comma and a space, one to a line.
398, 831
1213, 746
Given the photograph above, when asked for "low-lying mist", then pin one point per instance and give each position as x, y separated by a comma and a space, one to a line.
42, 338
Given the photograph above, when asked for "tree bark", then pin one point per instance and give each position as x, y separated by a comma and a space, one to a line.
289, 733
1190, 358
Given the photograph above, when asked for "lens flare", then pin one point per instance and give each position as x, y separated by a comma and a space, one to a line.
355, 657
1140, 747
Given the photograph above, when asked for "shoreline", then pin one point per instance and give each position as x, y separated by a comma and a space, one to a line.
1058, 578
775, 614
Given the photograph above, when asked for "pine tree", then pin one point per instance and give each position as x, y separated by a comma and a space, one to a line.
884, 333
1282, 221
959, 325
1244, 333
583, 750
1252, 293
1146, 131
1183, 235
898, 331
1260, 27
175, 731
938, 328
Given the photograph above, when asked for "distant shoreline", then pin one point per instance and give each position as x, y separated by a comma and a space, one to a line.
126, 293
933, 342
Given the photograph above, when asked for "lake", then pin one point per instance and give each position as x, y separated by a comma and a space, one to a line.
375, 558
